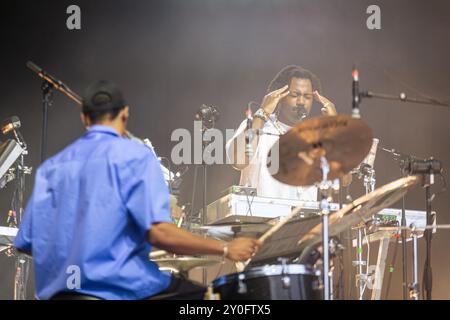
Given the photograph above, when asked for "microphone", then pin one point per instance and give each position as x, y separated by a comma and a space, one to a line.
428, 166
209, 115
249, 134
11, 124
301, 112
55, 83
366, 167
355, 93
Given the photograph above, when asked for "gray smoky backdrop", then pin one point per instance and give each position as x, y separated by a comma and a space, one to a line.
170, 57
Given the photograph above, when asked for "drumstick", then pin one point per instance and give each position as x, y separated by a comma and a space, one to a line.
240, 266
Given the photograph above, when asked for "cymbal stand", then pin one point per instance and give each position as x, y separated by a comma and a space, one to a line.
414, 286
361, 277
22, 264
325, 188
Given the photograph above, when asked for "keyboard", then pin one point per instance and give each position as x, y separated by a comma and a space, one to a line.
264, 207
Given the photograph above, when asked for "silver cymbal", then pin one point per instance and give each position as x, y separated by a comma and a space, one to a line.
362, 209
228, 232
185, 263
344, 141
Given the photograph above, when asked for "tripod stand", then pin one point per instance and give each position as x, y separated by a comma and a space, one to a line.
22, 261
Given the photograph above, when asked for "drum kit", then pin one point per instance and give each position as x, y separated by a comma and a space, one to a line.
318, 151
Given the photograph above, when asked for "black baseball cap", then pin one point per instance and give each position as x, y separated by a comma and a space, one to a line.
102, 95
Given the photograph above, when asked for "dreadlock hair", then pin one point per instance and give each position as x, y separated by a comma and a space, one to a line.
287, 73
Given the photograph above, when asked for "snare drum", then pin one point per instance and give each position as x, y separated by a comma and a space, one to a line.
271, 282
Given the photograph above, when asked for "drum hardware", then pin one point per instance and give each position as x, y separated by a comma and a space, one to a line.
284, 272
362, 209
343, 140
414, 286
365, 171
210, 295
266, 283
242, 287
240, 266
13, 153
427, 170
231, 231
183, 264
325, 188
331, 277
361, 278
309, 154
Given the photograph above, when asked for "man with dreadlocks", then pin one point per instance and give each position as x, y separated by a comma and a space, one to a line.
289, 100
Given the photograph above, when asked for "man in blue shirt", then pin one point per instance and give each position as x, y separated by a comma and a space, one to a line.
97, 208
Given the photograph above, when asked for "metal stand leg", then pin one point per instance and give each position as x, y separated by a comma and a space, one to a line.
359, 263
331, 276
381, 266
21, 277
326, 256
325, 210
428, 273
414, 286
22, 263
361, 277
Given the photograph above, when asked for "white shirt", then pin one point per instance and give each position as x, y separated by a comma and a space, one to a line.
257, 175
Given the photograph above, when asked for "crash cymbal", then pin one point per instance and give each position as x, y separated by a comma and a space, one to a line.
361, 210
183, 264
344, 141
228, 232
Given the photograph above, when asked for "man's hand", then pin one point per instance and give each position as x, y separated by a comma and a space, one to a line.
242, 249
271, 100
328, 108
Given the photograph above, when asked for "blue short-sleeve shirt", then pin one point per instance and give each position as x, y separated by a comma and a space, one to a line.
89, 215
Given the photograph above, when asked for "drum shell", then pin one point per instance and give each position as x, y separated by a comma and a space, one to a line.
270, 283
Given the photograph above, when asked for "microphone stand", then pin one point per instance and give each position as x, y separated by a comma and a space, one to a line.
48, 85
403, 160
428, 181
23, 261
402, 97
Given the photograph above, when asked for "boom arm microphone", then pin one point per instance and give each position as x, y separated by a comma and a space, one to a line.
10, 124
54, 82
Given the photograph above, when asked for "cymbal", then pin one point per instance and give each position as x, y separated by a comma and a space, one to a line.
228, 232
361, 210
344, 141
183, 264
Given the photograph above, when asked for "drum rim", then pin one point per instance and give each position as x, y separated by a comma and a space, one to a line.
269, 270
